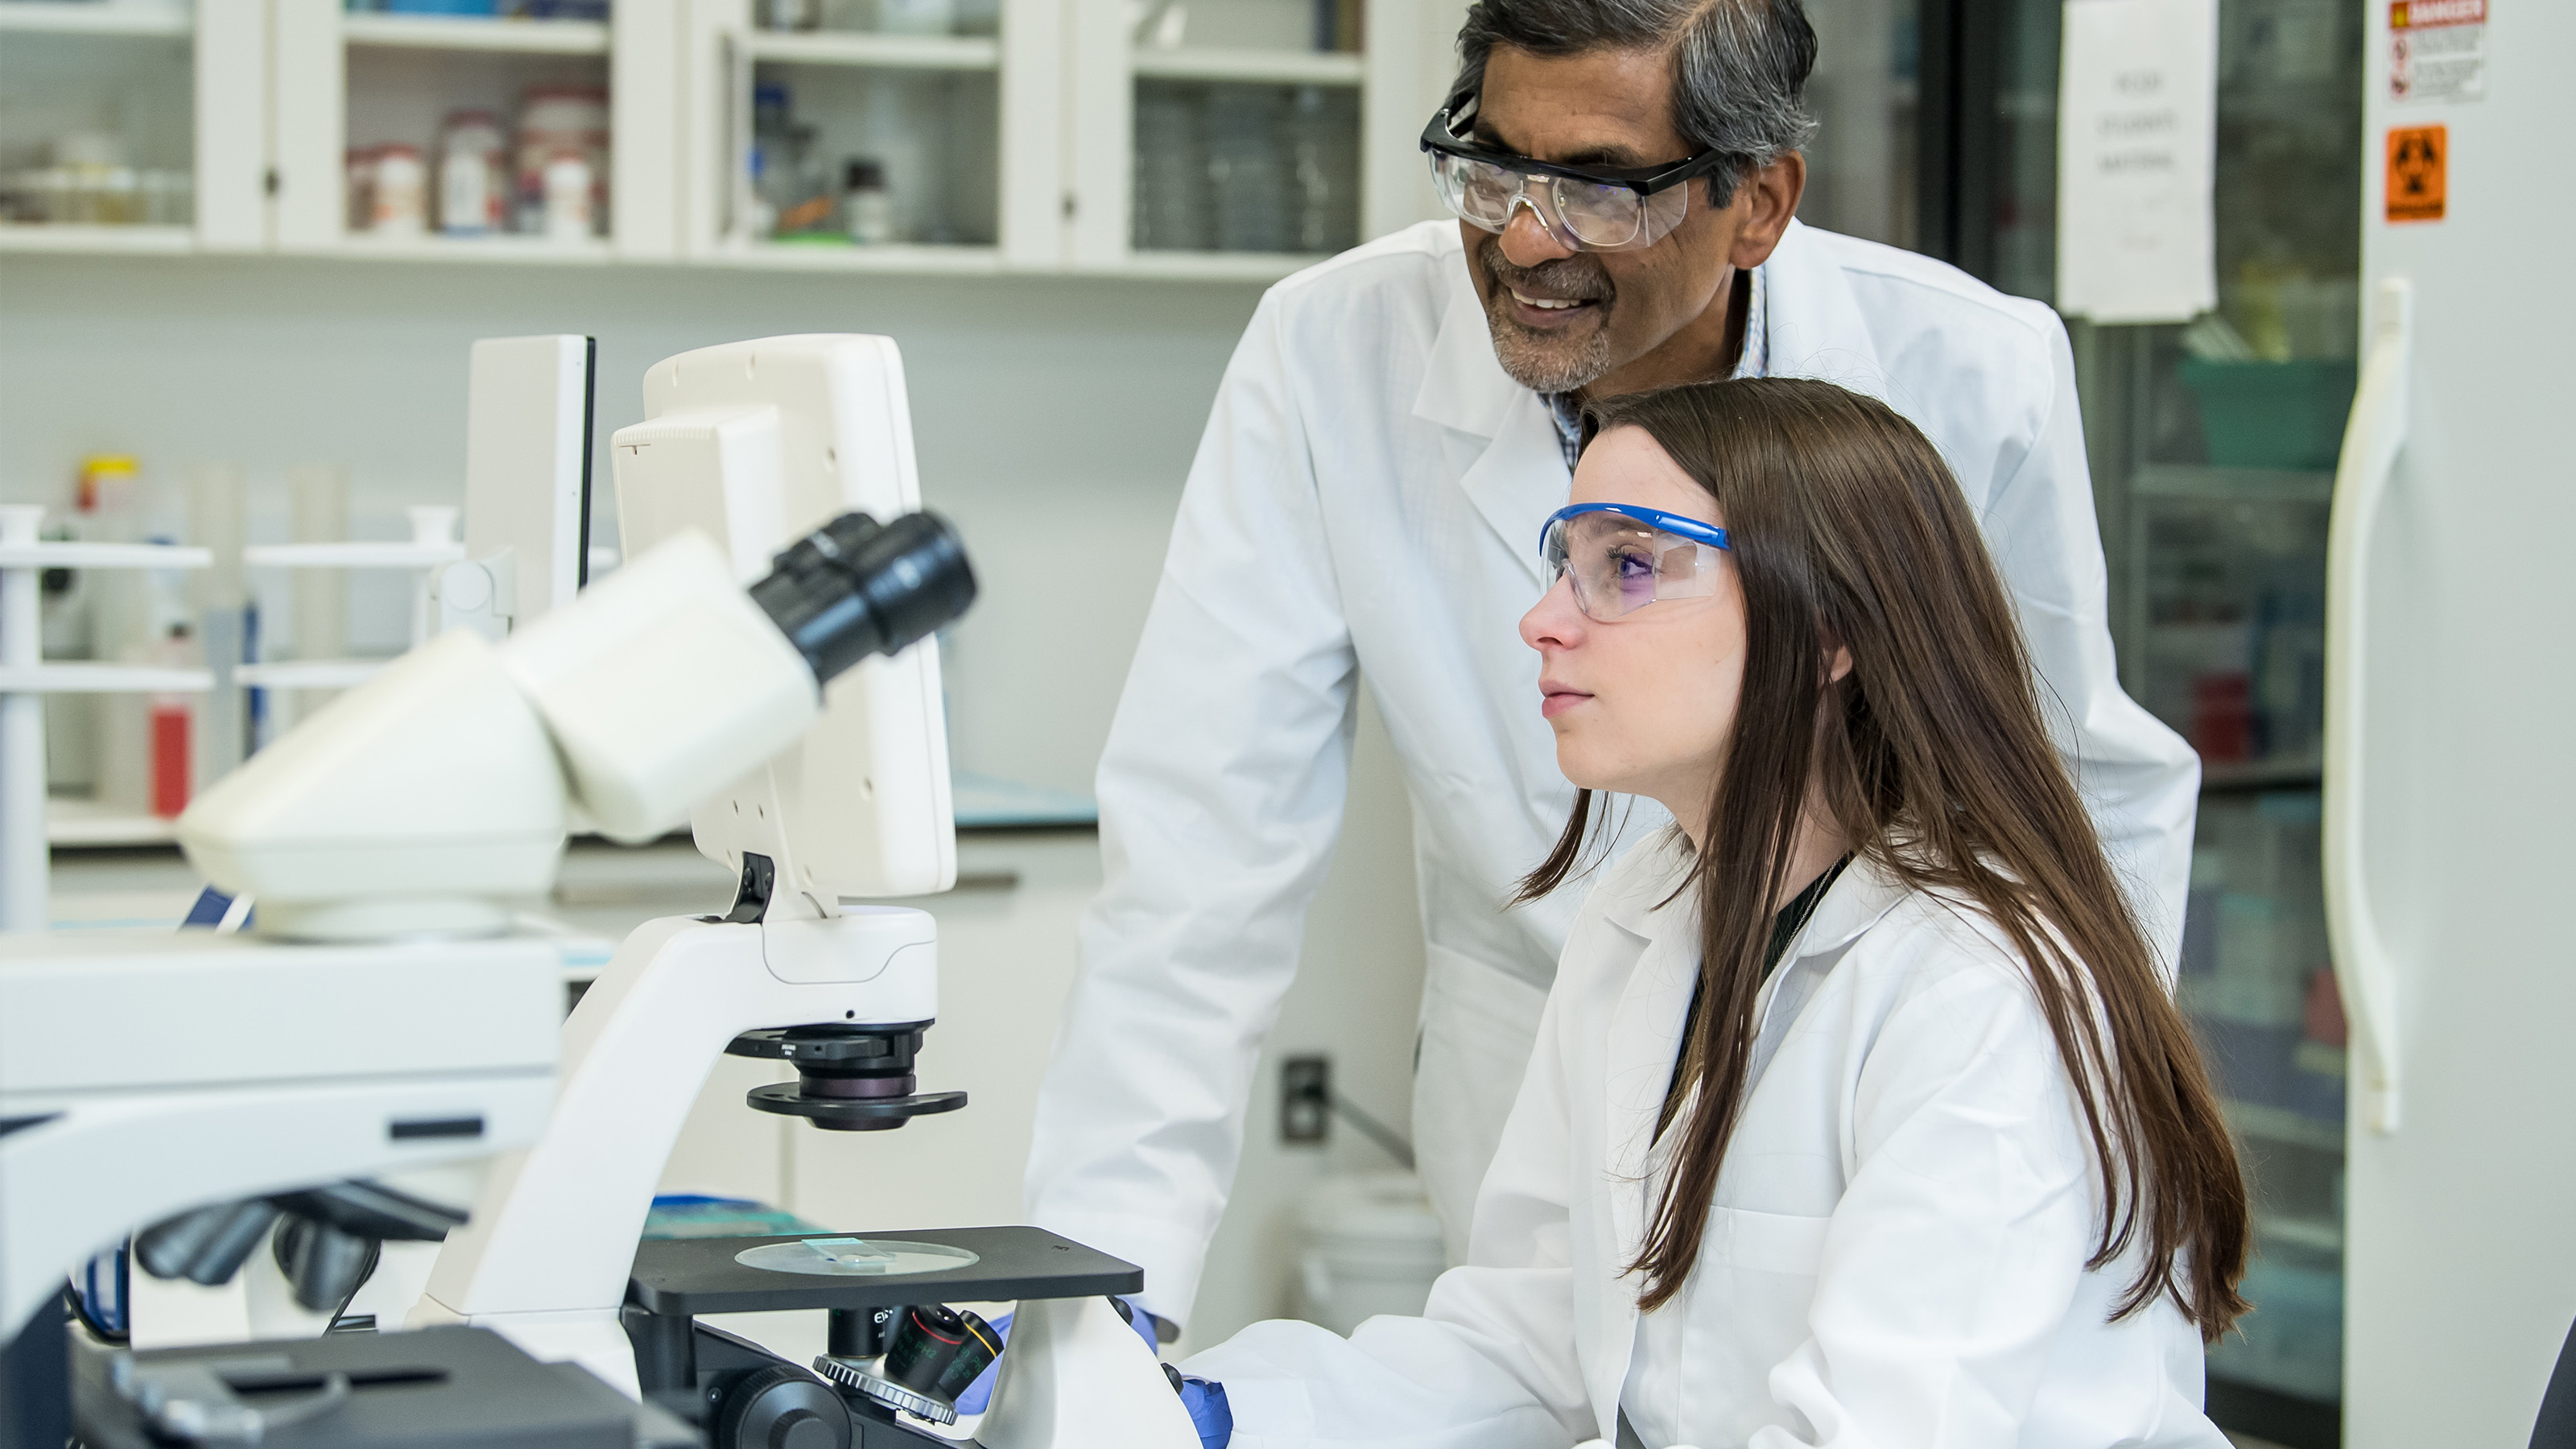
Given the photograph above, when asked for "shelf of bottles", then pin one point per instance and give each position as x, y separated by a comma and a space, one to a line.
478, 127
869, 134
97, 123
1246, 127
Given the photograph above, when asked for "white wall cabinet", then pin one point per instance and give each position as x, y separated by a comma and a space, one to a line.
1234, 139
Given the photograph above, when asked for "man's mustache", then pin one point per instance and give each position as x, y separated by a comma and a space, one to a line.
1578, 277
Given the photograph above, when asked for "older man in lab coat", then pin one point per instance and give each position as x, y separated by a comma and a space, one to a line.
1366, 503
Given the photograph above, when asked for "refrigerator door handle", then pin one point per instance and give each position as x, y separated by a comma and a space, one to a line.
2372, 443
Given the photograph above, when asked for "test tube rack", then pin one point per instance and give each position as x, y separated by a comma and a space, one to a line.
26, 678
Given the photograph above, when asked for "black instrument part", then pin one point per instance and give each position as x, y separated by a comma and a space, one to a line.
853, 1378
372, 1210
856, 587
325, 1265
206, 1246
849, 1078
779, 1406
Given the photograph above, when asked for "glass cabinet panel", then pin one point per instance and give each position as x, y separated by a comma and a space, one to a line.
1865, 92
475, 144
854, 156
97, 115
2213, 446
1246, 126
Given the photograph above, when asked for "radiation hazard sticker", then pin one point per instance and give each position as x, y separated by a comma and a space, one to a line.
2419, 166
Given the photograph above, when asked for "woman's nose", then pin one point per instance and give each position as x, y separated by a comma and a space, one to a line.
1554, 622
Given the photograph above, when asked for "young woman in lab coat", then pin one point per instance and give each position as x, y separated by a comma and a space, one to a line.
1861, 1114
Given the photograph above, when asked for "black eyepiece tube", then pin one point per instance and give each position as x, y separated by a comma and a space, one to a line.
856, 587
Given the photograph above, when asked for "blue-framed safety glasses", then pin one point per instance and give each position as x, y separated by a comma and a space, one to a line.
1622, 557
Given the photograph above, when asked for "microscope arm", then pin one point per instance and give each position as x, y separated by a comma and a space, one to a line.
547, 1251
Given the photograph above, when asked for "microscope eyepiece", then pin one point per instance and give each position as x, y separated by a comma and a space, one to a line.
856, 587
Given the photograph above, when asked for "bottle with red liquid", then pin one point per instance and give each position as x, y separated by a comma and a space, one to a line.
172, 735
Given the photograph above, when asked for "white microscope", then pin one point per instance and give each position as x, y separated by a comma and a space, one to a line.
401, 823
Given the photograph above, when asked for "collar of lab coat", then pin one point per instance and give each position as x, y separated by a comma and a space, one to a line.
1645, 1040
1816, 330
1645, 1031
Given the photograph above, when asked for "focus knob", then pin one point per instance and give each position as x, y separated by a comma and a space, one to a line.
781, 1407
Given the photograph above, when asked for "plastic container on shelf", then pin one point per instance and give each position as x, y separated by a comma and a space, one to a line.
1171, 188
473, 179
91, 183
553, 120
866, 210
361, 165
1320, 133
1247, 172
568, 185
2272, 414
917, 17
1367, 1245
398, 201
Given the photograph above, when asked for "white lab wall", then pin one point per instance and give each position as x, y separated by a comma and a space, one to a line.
1054, 419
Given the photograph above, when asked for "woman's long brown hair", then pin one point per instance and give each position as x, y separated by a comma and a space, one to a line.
1930, 757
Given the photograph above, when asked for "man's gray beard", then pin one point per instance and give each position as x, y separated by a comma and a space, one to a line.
1541, 368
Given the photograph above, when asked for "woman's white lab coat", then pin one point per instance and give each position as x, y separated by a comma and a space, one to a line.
1895, 1257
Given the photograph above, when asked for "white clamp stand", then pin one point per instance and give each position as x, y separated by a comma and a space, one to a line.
431, 547
25, 678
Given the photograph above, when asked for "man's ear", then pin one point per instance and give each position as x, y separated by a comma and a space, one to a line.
1770, 196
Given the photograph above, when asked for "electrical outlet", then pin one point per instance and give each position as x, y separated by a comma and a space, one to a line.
1305, 1099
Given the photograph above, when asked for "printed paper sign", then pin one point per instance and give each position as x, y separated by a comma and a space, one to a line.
2419, 173
2437, 50
2137, 104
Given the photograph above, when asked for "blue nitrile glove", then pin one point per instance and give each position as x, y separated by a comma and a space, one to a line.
1205, 1399
979, 1394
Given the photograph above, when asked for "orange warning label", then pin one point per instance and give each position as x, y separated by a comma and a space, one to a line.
2419, 166
2408, 14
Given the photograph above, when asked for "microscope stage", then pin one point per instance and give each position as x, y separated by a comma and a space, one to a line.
685, 1277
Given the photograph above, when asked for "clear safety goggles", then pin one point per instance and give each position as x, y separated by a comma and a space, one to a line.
1584, 207
1622, 557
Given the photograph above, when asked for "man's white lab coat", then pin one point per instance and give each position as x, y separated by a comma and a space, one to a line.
1367, 499
1895, 1255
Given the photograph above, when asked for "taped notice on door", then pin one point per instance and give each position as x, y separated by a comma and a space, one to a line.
2136, 132
2437, 50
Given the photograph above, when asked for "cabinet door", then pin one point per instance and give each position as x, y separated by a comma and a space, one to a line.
1225, 137
475, 129
104, 121
872, 134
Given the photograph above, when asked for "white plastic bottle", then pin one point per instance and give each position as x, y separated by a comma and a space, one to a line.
470, 187
399, 201
567, 182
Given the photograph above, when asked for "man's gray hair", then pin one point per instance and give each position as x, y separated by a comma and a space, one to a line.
1739, 66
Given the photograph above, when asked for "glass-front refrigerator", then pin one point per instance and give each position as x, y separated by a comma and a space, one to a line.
2213, 447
